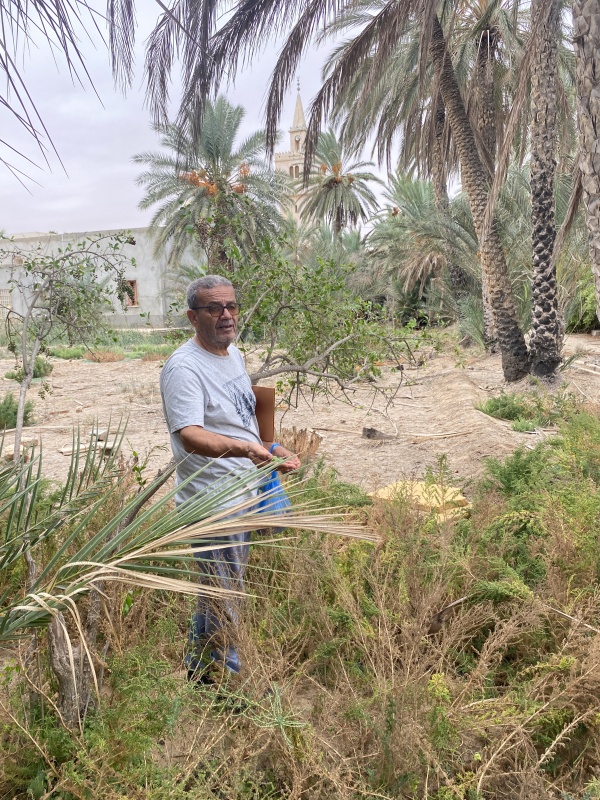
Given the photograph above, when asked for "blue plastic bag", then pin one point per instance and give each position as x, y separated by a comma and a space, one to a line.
273, 500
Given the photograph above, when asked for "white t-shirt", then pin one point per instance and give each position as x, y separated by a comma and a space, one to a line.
199, 388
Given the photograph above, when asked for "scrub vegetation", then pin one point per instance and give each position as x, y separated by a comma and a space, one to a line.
448, 660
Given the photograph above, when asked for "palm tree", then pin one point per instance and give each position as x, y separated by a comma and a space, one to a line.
586, 14
245, 31
212, 193
544, 344
413, 241
337, 191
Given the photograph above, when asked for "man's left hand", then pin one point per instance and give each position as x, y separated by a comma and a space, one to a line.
291, 463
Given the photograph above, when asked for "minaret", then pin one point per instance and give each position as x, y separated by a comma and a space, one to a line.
291, 161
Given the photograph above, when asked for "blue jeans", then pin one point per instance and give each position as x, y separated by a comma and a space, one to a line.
216, 619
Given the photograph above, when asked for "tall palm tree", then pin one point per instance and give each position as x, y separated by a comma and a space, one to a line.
211, 192
586, 14
544, 344
375, 42
338, 191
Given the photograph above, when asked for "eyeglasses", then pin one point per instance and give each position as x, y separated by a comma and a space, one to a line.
216, 309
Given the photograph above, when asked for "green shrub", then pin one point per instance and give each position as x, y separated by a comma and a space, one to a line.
8, 412
67, 352
530, 411
41, 369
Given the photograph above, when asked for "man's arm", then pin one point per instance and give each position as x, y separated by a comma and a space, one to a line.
196, 439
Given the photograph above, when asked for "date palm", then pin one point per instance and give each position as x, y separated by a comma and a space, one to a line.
545, 341
100, 531
338, 192
244, 33
586, 31
211, 192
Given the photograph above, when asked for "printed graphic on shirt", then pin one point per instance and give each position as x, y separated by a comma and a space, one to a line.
243, 399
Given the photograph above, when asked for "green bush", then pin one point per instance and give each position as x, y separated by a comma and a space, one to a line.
67, 352
41, 369
530, 411
8, 412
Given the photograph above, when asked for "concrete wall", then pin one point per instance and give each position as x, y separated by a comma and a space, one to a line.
149, 274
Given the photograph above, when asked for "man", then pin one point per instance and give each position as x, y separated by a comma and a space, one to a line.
209, 406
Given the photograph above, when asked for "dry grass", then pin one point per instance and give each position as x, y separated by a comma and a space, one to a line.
104, 356
501, 700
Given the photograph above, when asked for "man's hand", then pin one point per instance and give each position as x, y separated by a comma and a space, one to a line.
291, 463
258, 454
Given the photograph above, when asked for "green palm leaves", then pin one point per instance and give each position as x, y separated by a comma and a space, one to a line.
93, 534
210, 192
338, 191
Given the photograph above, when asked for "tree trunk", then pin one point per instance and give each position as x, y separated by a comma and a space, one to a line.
486, 102
586, 29
458, 279
486, 125
544, 345
515, 361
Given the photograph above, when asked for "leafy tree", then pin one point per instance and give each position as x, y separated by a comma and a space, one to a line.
337, 191
62, 293
210, 191
305, 325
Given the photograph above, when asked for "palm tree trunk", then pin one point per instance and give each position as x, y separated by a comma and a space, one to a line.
544, 345
586, 29
515, 361
486, 125
458, 278
486, 105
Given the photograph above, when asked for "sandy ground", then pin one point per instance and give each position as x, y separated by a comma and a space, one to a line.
429, 410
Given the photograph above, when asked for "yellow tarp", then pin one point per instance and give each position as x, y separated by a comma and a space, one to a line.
445, 501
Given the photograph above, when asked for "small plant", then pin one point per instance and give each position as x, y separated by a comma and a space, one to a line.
41, 368
528, 412
8, 412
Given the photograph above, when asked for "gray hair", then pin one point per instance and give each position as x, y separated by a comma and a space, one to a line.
206, 282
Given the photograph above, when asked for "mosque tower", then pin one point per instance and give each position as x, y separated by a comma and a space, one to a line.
292, 160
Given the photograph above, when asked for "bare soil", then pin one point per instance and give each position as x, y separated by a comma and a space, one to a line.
428, 410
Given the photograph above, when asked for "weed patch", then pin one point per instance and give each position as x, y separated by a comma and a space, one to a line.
456, 659
530, 411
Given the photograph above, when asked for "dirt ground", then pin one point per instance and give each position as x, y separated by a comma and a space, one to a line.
429, 410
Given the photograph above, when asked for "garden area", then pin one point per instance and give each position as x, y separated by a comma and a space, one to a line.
450, 656
423, 621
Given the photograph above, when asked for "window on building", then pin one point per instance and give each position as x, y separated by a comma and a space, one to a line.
291, 172
297, 171
131, 292
5, 300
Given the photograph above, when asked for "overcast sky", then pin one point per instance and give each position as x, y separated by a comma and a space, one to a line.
96, 139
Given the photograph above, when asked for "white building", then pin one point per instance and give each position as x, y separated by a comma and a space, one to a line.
147, 279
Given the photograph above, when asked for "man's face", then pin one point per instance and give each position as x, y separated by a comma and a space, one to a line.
215, 334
